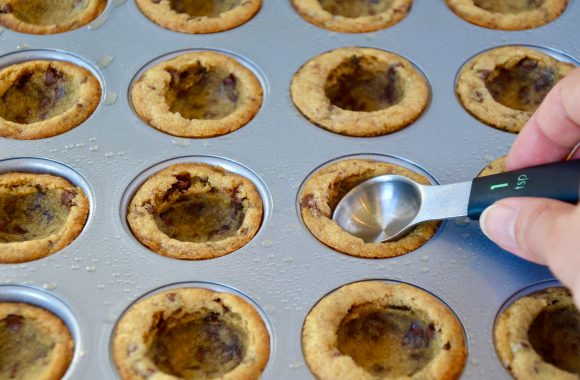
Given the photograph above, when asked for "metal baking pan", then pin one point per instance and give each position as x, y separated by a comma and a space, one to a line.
284, 269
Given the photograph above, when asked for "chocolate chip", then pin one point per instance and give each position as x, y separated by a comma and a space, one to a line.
484, 74
14, 322
309, 202
229, 87
544, 82
399, 307
377, 368
525, 95
418, 335
478, 96
447, 346
66, 198
171, 297
17, 230
6, 9
51, 76
183, 182
529, 64
155, 1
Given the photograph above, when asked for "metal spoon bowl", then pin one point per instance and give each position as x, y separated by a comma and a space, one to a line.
386, 207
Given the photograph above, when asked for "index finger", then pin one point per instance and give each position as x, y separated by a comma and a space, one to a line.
554, 129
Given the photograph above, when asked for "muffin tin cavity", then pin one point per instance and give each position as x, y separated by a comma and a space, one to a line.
193, 330
28, 339
201, 207
48, 17
204, 8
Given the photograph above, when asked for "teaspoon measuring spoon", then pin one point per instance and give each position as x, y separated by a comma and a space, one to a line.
386, 207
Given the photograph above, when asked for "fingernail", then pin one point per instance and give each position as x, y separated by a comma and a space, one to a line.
498, 223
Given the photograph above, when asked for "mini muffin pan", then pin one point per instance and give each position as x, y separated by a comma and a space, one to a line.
284, 270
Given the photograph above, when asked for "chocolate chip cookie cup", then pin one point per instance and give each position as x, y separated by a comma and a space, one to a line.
193, 16
502, 87
323, 189
40, 214
191, 333
44, 98
508, 14
497, 166
35, 344
537, 334
197, 94
48, 17
357, 16
380, 330
195, 211
360, 92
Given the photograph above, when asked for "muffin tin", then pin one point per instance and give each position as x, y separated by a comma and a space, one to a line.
284, 269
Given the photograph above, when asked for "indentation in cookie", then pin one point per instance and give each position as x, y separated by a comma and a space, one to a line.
555, 336
508, 6
205, 344
37, 95
23, 348
356, 8
203, 8
48, 12
33, 213
387, 341
522, 86
199, 92
192, 211
363, 84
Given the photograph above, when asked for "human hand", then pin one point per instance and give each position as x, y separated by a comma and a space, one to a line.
542, 230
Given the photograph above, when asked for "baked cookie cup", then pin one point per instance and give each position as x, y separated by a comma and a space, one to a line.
353, 16
191, 333
497, 166
40, 214
34, 343
508, 14
360, 92
323, 190
378, 330
199, 94
537, 336
195, 211
48, 16
503, 87
40, 99
195, 16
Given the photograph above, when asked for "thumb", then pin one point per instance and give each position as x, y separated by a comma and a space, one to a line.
540, 230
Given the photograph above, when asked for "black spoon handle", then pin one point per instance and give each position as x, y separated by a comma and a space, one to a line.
559, 181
